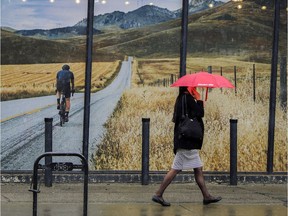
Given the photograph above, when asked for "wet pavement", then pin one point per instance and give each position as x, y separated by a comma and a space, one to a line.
135, 199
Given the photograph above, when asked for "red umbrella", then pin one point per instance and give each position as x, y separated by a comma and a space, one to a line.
203, 79
222, 82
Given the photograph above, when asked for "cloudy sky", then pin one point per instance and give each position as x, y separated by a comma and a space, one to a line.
47, 14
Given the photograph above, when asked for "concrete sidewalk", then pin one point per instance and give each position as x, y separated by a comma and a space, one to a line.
135, 199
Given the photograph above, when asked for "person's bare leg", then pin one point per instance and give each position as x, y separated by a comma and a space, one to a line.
58, 99
58, 95
199, 177
67, 104
166, 181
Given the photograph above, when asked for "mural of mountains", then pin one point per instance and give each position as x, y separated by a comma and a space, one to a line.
199, 5
56, 32
141, 17
219, 31
146, 15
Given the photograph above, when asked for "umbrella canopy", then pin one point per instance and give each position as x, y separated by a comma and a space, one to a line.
222, 82
203, 79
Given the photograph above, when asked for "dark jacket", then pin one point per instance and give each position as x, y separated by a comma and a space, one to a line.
194, 109
64, 77
63, 80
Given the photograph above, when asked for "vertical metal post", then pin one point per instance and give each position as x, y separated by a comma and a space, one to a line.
88, 72
48, 148
254, 84
145, 151
221, 73
85, 201
210, 69
235, 79
273, 83
283, 83
233, 151
171, 79
35, 186
210, 89
184, 33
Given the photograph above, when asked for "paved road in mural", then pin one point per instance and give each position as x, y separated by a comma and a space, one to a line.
22, 124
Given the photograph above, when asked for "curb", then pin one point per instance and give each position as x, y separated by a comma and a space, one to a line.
135, 177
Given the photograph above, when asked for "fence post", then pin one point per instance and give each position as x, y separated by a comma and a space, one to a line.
233, 151
221, 73
235, 79
48, 148
210, 72
171, 79
283, 83
210, 69
145, 151
254, 84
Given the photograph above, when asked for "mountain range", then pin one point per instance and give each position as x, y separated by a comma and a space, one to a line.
141, 17
246, 34
57, 32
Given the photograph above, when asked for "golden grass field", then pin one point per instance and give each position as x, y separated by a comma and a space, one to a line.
20, 81
121, 147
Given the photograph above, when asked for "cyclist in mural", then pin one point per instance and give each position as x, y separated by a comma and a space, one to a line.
65, 85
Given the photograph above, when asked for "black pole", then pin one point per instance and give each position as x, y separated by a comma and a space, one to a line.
233, 151
35, 188
273, 83
145, 151
48, 148
184, 33
88, 71
85, 203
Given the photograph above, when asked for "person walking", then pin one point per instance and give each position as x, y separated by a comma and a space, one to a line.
65, 84
186, 150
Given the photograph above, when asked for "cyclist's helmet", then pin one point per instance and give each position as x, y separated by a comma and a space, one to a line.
65, 67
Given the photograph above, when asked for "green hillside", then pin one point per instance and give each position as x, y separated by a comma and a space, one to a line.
25, 50
224, 30
221, 31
